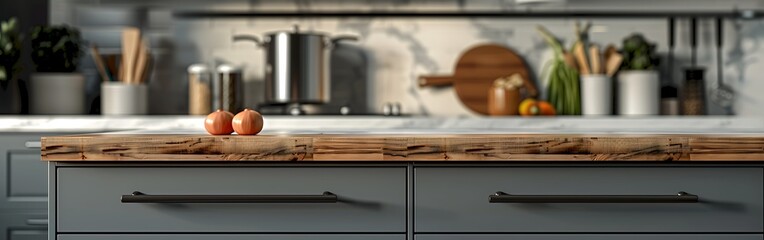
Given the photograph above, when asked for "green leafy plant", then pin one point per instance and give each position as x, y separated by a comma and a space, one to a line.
638, 53
56, 48
10, 50
563, 90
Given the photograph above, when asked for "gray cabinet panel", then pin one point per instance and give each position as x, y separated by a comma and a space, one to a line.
27, 176
231, 237
23, 226
371, 199
23, 176
590, 237
456, 200
39, 234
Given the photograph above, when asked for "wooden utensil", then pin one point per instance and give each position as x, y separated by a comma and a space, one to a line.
96, 55
609, 51
141, 62
570, 60
112, 66
596, 59
583, 64
476, 71
131, 38
613, 64
121, 69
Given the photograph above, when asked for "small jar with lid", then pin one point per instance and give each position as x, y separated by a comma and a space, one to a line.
694, 92
227, 92
199, 90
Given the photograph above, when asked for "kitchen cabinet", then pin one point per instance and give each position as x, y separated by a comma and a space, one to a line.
23, 187
231, 237
397, 201
270, 199
23, 177
729, 199
286, 186
591, 237
24, 226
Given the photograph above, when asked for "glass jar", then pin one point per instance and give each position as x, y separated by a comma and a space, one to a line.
199, 90
694, 92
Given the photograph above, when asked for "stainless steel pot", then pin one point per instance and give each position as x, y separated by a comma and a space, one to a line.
297, 65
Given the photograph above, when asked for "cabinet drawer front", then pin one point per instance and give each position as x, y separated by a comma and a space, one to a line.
232, 237
591, 237
23, 175
457, 200
368, 199
23, 226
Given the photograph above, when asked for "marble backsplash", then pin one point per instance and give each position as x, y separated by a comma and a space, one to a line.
383, 66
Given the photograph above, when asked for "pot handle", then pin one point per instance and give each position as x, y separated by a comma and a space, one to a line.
251, 38
435, 81
341, 38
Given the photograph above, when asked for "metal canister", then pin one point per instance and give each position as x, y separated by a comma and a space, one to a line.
694, 92
199, 90
227, 89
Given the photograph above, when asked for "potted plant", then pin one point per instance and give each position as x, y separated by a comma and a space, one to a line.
56, 88
10, 48
638, 80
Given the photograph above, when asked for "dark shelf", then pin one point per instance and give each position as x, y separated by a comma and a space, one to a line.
745, 14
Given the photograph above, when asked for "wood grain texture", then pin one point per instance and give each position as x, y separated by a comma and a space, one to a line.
464, 147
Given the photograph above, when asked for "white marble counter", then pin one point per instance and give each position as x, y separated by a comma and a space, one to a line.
350, 123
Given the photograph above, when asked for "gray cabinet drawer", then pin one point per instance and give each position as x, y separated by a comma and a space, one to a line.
457, 200
26, 226
369, 199
591, 237
232, 237
23, 176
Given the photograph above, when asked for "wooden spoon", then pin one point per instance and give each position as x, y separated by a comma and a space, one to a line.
96, 55
131, 38
613, 64
141, 62
580, 54
609, 51
596, 59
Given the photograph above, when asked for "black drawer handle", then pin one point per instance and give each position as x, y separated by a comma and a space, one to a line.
139, 197
681, 197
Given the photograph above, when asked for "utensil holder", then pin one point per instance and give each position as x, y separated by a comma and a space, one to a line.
596, 95
124, 99
638, 93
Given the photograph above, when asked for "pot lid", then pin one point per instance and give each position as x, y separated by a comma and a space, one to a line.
296, 31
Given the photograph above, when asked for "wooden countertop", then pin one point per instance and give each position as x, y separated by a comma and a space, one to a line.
405, 147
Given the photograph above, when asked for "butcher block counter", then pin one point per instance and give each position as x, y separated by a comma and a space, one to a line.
406, 184
404, 145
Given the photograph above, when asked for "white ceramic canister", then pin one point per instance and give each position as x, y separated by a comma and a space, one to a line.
124, 99
57, 94
596, 95
638, 93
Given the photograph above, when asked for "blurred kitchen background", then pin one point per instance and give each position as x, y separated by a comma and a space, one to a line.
382, 68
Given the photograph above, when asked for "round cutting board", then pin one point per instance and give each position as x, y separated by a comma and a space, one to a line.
475, 72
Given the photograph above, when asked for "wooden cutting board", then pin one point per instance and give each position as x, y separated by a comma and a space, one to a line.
475, 72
